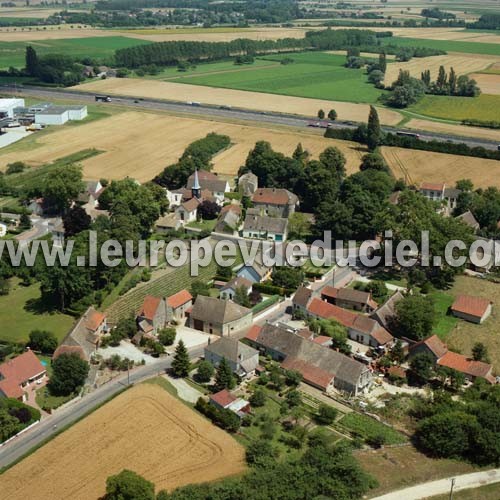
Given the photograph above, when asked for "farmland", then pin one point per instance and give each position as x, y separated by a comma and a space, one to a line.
315, 75
236, 98
488, 83
439, 167
125, 153
450, 128
152, 433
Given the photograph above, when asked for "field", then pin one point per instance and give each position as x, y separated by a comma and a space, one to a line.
449, 128
316, 75
465, 335
54, 32
22, 311
236, 98
368, 428
127, 153
13, 53
488, 83
426, 166
484, 107
462, 64
144, 429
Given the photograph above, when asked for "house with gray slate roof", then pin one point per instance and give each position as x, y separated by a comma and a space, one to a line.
265, 228
242, 358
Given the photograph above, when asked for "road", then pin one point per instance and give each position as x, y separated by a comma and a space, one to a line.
21, 445
212, 111
442, 486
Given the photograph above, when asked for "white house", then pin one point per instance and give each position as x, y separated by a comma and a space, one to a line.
187, 211
7, 107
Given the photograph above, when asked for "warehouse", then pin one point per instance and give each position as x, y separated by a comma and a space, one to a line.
59, 115
7, 107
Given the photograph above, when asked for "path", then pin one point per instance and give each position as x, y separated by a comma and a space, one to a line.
442, 486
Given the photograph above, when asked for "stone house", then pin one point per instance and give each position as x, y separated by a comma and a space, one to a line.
152, 316
275, 202
178, 305
242, 358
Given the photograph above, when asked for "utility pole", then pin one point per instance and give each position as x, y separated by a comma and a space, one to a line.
451, 489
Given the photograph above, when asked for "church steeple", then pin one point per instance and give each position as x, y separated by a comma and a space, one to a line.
196, 189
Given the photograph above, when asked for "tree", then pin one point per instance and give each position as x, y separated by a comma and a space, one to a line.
321, 114
452, 82
15, 168
376, 77
326, 414
382, 62
241, 296
287, 277
480, 352
208, 210
43, 341
299, 225
293, 398
374, 161
258, 398
374, 132
205, 372
75, 221
332, 115
31, 60
421, 367
397, 352
167, 336
25, 221
199, 288
128, 485
441, 81
300, 154
224, 378
259, 450
293, 377
61, 186
181, 363
414, 317
426, 77
69, 372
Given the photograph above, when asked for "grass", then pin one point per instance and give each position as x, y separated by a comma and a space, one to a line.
485, 107
368, 428
444, 322
492, 49
46, 401
488, 492
204, 225
312, 74
13, 53
182, 31
23, 311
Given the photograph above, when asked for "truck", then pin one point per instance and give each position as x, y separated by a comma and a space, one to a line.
103, 98
194, 103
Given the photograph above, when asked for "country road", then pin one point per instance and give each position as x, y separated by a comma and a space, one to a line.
19, 446
443, 486
212, 111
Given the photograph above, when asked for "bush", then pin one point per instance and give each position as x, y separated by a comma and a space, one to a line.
167, 336
258, 398
205, 372
43, 341
326, 414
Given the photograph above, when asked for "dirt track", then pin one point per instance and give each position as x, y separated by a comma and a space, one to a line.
146, 430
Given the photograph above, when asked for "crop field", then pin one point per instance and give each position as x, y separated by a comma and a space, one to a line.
13, 53
53, 32
163, 139
312, 74
489, 84
485, 107
145, 429
462, 64
492, 49
427, 166
446, 34
236, 98
449, 128
17, 13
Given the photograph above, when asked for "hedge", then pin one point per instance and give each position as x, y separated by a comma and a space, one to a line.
265, 304
481, 123
272, 289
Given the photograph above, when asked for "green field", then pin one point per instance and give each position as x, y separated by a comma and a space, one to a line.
312, 74
12, 53
492, 49
485, 107
22, 311
444, 322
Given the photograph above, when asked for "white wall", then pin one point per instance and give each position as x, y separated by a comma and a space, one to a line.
55, 119
7, 106
78, 114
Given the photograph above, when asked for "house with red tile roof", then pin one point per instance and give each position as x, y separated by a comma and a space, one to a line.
178, 304
349, 298
224, 400
18, 373
275, 202
432, 345
152, 315
473, 309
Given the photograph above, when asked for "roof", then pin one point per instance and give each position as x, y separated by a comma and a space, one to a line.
330, 291
452, 192
11, 388
212, 310
253, 333
179, 299
207, 180
223, 398
149, 307
387, 310
349, 294
21, 368
190, 205
311, 374
53, 110
68, 349
236, 282
433, 186
95, 319
469, 219
274, 196
231, 349
302, 296
473, 306
434, 344
263, 223
322, 339
465, 365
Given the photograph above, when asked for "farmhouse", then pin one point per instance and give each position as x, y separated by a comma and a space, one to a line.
228, 291
229, 219
433, 346
387, 311
473, 309
153, 315
321, 367
275, 202
178, 305
469, 219
349, 298
219, 317
265, 228
440, 193
224, 400
242, 358
18, 373
301, 299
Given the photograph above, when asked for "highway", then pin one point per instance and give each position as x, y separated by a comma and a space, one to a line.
225, 113
22, 444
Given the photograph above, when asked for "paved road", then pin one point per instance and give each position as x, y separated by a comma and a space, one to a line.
219, 112
22, 444
442, 486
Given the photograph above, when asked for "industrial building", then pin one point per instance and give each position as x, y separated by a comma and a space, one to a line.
59, 115
7, 107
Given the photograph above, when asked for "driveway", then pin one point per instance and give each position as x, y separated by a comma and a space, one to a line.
184, 390
127, 350
443, 486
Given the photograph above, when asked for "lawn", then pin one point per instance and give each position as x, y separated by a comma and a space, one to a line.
312, 74
447, 45
204, 225
368, 428
488, 492
22, 311
48, 402
444, 323
485, 107
12, 53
